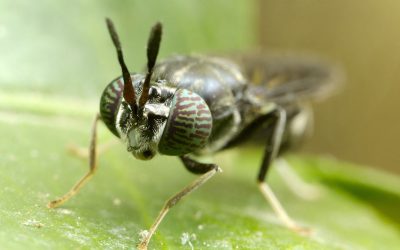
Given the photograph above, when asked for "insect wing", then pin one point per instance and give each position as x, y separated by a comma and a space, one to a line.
286, 79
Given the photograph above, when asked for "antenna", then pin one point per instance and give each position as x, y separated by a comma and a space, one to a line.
153, 45
129, 92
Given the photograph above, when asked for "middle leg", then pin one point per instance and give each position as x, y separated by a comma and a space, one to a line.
278, 122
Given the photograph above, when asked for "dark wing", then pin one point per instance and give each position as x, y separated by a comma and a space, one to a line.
285, 79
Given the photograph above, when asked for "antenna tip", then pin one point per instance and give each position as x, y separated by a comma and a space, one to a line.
157, 27
158, 24
108, 21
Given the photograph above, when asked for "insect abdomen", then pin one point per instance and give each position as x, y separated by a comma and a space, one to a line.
109, 104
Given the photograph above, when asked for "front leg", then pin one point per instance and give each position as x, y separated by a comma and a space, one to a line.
208, 171
196, 167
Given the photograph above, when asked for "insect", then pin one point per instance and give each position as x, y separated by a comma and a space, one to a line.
193, 105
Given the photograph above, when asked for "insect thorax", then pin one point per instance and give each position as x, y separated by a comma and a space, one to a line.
219, 82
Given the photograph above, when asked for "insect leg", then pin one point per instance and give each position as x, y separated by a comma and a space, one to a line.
196, 167
84, 179
295, 183
272, 147
83, 152
190, 164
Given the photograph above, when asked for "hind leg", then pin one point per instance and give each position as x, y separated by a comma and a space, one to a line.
295, 183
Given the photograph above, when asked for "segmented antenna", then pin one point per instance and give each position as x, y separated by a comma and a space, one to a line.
129, 92
153, 45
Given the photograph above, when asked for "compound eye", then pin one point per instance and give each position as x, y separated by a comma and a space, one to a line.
188, 126
109, 104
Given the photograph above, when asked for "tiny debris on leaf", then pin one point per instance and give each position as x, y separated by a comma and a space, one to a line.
187, 238
143, 234
64, 211
116, 202
33, 223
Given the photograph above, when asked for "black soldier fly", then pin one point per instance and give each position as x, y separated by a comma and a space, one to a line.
194, 105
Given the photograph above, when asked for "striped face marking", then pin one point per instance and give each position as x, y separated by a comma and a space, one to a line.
141, 134
189, 124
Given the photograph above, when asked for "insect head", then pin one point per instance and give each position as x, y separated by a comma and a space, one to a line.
150, 115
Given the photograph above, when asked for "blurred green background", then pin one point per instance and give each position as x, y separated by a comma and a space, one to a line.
56, 57
361, 123
63, 48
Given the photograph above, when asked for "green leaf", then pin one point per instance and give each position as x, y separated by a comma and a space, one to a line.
56, 58
358, 208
